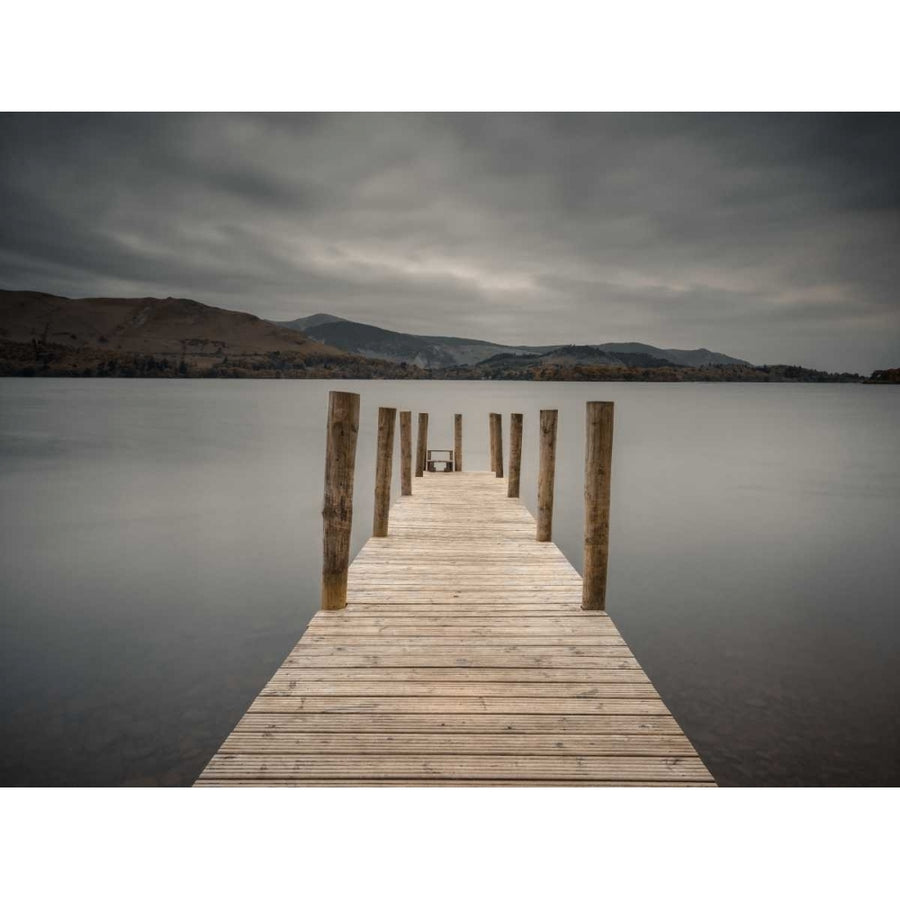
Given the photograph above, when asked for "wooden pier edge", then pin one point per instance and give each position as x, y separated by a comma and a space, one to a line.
459, 653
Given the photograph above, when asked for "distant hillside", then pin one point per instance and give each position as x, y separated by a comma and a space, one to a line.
701, 357
179, 335
431, 352
567, 366
170, 326
439, 352
46, 335
885, 376
307, 322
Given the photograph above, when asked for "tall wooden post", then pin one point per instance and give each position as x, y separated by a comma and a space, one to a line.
457, 442
337, 509
546, 474
384, 460
405, 452
597, 481
515, 454
493, 436
421, 444
497, 444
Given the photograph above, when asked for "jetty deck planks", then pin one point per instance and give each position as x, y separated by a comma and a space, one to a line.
463, 657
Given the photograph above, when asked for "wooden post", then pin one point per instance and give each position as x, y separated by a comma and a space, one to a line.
421, 444
497, 444
597, 481
384, 460
515, 454
457, 442
546, 473
337, 510
493, 436
405, 452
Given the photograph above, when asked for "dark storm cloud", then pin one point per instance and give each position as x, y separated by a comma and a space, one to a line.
771, 237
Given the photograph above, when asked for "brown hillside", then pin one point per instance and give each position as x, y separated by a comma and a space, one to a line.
168, 327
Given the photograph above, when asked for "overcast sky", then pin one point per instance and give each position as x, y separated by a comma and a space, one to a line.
771, 238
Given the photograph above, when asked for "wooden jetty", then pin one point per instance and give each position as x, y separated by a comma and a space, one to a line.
460, 649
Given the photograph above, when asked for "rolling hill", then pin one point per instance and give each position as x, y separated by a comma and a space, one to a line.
440, 352
413, 349
47, 335
149, 335
170, 326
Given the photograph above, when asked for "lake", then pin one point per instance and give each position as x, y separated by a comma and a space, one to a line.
161, 554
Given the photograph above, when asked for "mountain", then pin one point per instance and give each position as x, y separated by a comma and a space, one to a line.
43, 334
170, 326
413, 349
307, 322
574, 355
78, 335
695, 358
437, 352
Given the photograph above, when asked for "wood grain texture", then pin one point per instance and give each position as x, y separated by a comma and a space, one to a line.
546, 474
337, 507
515, 454
597, 480
463, 657
405, 453
457, 443
421, 444
496, 426
425, 767
384, 459
438, 782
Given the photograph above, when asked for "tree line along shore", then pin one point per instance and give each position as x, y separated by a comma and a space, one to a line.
39, 359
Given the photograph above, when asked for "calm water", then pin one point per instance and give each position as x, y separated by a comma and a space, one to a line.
160, 556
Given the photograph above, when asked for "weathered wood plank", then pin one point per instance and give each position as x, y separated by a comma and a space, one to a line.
439, 782
563, 744
502, 646
456, 723
351, 657
589, 644
462, 637
395, 609
548, 622
476, 705
294, 685
411, 675
313, 765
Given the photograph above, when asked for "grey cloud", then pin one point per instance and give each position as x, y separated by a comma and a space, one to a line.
771, 237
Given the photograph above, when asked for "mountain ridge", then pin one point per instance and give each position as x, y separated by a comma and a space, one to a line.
155, 325
52, 334
440, 351
45, 334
